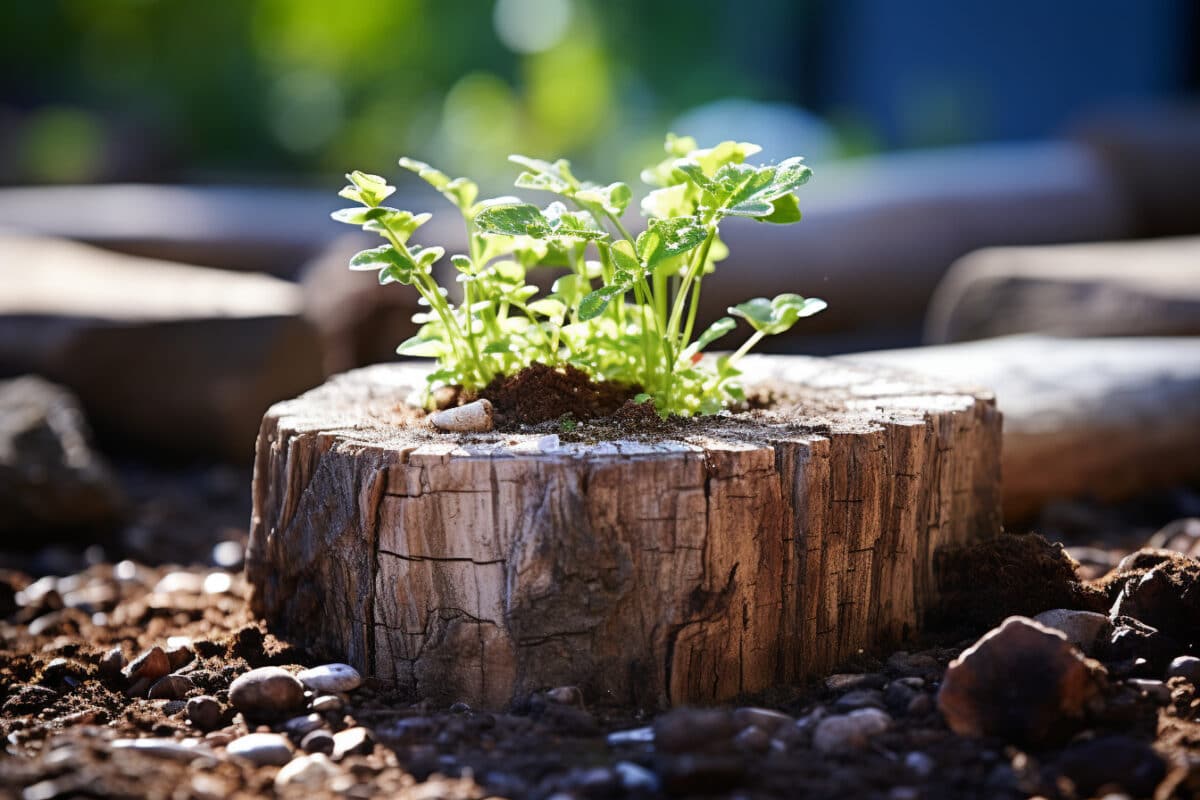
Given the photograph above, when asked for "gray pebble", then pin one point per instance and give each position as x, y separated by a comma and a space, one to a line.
204, 712
299, 726
1186, 667
327, 704
846, 733
266, 691
753, 740
919, 764
329, 678
849, 681
565, 695
765, 718
636, 778
1155, 690
263, 749
319, 741
163, 748
1082, 628
859, 698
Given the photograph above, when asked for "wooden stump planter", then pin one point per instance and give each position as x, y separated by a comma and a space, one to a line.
747, 551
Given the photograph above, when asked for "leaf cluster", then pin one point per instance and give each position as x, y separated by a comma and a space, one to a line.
621, 307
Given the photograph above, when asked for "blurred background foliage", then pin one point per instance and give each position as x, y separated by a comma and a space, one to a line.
299, 90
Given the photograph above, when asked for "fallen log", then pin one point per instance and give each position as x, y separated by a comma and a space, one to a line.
725, 556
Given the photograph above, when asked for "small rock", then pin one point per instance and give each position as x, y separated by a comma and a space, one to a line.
765, 718
352, 741
1112, 761
204, 712
914, 664
1182, 536
1132, 639
753, 740
636, 778
27, 699
919, 764
319, 741
565, 695
706, 774
149, 666
1167, 598
848, 682
179, 656
898, 695
171, 687
330, 678
1186, 667
859, 698
163, 748
693, 729
300, 726
472, 417
311, 772
1022, 682
111, 664
327, 704
631, 736
846, 733
920, 705
1084, 629
266, 692
263, 749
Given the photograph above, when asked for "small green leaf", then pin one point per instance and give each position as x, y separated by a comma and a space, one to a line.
365, 188
786, 210
715, 331
614, 198
513, 219
542, 182
463, 264
593, 305
548, 307
670, 237
571, 225
380, 258
459, 191
777, 315
423, 347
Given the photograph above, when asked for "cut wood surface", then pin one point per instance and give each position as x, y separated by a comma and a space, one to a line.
740, 553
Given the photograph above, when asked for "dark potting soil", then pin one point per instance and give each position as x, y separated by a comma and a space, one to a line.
540, 393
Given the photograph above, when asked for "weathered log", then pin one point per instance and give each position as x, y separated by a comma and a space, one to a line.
747, 551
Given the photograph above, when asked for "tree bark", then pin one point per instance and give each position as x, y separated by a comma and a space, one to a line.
751, 551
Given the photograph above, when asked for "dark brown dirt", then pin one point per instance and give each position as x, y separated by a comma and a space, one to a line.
540, 393
983, 583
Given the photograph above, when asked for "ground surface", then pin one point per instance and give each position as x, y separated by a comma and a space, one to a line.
68, 722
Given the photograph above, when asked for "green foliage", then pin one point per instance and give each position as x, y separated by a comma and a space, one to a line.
627, 315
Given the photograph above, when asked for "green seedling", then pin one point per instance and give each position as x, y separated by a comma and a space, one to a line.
623, 307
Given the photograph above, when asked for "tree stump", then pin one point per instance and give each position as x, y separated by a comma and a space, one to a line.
749, 551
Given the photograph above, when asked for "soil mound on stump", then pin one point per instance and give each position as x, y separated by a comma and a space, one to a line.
540, 393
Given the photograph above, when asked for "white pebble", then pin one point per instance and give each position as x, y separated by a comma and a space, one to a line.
845, 733
477, 416
311, 772
263, 749
330, 678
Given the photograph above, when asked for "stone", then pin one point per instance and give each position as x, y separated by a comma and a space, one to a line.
1136, 288
1155, 690
913, 664
1186, 667
212, 348
1167, 597
685, 730
1084, 629
149, 666
752, 740
848, 733
765, 718
1111, 763
300, 726
897, 697
163, 748
1076, 411
565, 695
318, 741
471, 417
52, 481
205, 712
311, 772
1021, 682
112, 663
266, 692
636, 778
261, 749
171, 687
1132, 640
859, 698
919, 764
352, 741
849, 681
329, 678
327, 704
1181, 535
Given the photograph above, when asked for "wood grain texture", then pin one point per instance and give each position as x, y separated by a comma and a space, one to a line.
750, 551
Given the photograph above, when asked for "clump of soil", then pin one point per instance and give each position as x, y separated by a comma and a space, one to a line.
985, 582
540, 393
